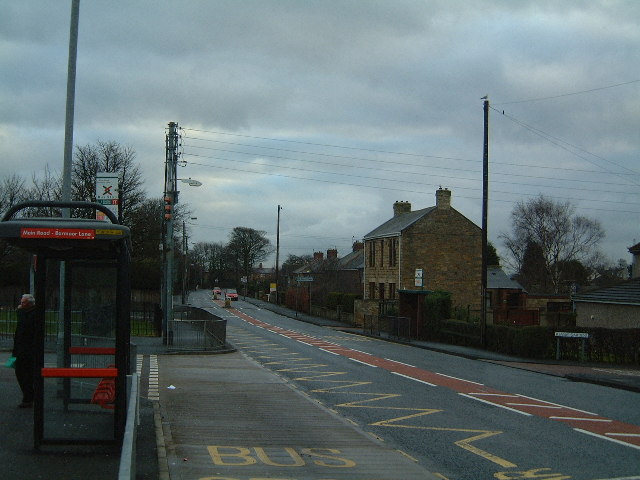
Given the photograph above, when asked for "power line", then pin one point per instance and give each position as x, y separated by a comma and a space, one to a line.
378, 187
377, 169
391, 162
559, 143
539, 99
322, 144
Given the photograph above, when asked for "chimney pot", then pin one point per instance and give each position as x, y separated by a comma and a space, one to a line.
443, 199
401, 207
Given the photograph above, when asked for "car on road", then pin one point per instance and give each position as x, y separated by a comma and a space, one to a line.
217, 291
231, 293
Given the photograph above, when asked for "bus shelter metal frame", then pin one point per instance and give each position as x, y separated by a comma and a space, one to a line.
75, 240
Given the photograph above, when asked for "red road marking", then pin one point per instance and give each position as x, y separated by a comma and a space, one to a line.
580, 420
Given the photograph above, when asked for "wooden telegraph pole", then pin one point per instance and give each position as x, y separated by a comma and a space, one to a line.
485, 196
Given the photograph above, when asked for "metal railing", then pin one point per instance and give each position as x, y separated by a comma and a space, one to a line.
196, 329
398, 328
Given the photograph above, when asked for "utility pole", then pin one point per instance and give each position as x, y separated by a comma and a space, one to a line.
170, 201
185, 247
485, 197
278, 256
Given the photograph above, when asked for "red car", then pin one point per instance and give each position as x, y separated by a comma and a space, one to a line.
217, 291
231, 294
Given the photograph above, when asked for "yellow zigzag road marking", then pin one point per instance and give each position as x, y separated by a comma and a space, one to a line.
347, 383
320, 375
418, 412
302, 368
465, 443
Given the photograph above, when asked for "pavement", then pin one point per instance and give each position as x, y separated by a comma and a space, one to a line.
225, 417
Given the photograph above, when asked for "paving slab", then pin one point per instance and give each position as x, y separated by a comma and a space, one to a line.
224, 417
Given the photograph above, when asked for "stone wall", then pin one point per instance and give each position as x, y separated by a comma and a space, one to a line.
448, 248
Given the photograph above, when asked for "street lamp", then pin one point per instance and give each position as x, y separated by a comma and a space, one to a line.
191, 182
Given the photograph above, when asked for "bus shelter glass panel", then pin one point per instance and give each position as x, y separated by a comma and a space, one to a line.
79, 398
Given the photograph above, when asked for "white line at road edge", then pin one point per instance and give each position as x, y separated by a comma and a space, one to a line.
610, 439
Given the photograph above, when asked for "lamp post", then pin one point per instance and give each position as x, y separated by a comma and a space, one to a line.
185, 259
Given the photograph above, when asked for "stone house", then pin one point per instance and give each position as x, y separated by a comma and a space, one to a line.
438, 241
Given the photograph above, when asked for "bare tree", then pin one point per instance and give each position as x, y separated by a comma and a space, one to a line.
248, 247
12, 192
107, 157
561, 235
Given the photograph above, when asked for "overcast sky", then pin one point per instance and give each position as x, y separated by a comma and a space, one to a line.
336, 109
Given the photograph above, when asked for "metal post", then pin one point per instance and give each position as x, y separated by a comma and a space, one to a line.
278, 255
68, 149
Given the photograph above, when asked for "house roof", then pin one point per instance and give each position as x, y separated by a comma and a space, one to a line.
497, 279
352, 261
625, 293
635, 248
397, 224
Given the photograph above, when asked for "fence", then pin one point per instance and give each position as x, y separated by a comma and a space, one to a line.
146, 322
338, 314
390, 326
516, 316
196, 329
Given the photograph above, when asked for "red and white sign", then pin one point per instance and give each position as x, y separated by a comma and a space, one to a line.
58, 233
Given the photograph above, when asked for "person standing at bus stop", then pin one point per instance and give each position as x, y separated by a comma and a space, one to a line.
24, 348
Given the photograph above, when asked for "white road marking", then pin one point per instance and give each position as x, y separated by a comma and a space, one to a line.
495, 404
414, 379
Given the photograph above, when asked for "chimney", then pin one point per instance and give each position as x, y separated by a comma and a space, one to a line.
332, 253
401, 207
319, 256
358, 246
443, 199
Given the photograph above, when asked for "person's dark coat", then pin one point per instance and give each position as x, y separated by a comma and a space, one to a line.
24, 351
24, 337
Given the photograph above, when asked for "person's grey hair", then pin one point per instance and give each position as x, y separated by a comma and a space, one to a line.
30, 298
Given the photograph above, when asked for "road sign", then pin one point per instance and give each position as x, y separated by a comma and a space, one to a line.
107, 192
305, 279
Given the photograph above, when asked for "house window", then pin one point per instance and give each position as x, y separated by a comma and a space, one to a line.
372, 254
392, 291
372, 290
393, 252
381, 291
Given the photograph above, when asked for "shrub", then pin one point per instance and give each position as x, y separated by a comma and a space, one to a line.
348, 301
333, 300
437, 306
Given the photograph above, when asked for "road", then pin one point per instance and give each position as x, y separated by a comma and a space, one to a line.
461, 419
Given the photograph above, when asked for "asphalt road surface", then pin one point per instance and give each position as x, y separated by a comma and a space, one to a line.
461, 419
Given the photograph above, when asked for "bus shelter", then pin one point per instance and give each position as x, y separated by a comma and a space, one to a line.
82, 266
